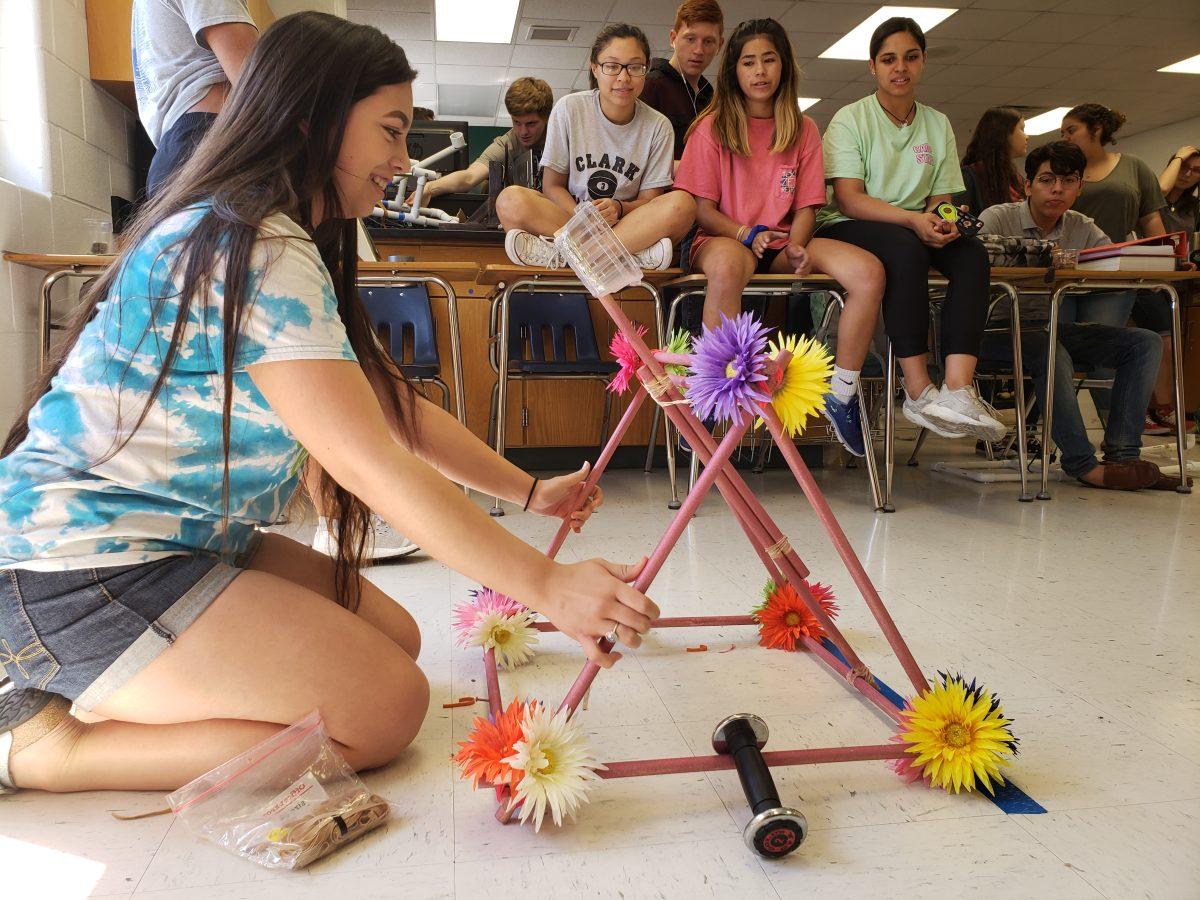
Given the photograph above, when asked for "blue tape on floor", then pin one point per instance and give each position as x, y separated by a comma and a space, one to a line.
1008, 797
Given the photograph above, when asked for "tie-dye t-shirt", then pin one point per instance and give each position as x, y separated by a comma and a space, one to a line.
161, 494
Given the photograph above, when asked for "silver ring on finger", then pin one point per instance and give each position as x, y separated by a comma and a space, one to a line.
611, 637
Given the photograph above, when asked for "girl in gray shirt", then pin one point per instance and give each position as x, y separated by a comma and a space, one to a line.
606, 146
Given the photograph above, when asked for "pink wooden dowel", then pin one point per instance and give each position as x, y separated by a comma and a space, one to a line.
752, 514
842, 544
602, 462
659, 555
688, 764
678, 622
495, 702
672, 359
861, 685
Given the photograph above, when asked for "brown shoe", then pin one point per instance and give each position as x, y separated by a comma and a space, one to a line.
1124, 475
1161, 481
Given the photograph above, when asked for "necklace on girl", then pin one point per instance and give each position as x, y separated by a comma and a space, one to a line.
900, 121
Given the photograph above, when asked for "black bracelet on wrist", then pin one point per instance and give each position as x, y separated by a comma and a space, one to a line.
529, 499
621, 214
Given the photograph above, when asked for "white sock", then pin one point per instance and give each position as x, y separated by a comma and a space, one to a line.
844, 384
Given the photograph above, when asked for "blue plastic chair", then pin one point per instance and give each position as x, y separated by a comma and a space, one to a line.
551, 337
403, 318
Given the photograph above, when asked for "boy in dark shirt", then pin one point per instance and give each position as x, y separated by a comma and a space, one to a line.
676, 87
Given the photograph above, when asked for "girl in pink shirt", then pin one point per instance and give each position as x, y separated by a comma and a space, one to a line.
753, 162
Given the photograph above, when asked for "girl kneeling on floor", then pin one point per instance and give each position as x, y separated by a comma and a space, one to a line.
753, 163
223, 346
606, 146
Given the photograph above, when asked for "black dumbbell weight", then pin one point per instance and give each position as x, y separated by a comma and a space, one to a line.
775, 830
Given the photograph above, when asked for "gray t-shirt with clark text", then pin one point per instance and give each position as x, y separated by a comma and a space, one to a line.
603, 159
172, 67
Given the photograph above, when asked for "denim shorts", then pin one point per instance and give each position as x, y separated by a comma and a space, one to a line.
83, 633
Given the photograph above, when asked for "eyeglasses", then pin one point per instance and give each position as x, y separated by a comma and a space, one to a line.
1068, 181
635, 70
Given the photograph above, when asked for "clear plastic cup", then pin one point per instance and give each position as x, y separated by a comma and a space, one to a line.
1065, 259
99, 233
593, 251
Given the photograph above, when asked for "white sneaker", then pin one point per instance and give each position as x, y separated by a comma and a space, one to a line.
384, 542
655, 257
527, 249
917, 412
967, 414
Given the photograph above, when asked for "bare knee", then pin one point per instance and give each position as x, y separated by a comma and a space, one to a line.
680, 209
377, 726
867, 283
512, 206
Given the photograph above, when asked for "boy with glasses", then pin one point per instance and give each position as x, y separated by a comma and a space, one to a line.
1055, 178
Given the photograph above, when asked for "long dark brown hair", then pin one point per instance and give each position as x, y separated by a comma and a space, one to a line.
272, 149
728, 104
988, 152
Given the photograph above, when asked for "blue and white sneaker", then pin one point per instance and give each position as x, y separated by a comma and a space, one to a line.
846, 420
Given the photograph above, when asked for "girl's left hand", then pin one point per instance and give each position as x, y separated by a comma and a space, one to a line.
555, 497
799, 259
763, 239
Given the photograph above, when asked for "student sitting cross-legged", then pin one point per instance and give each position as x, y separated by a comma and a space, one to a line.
1055, 176
606, 146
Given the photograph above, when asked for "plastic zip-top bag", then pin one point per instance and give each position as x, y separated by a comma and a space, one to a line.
594, 252
284, 803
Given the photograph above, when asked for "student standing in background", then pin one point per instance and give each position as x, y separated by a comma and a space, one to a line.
187, 54
676, 87
987, 169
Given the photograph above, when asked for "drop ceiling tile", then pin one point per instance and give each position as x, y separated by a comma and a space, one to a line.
558, 9
1006, 53
830, 18
1020, 5
1070, 56
456, 53
420, 6
981, 24
419, 53
1132, 32
954, 50
1056, 28
964, 74
400, 27
468, 100
556, 78
812, 43
656, 12
543, 57
1160, 9
1134, 59
837, 69
470, 74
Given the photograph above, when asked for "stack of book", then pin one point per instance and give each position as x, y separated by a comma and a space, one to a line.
1157, 254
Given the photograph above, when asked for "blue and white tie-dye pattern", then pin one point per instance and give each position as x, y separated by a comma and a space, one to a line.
160, 495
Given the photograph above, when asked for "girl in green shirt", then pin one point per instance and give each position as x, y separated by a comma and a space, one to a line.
891, 161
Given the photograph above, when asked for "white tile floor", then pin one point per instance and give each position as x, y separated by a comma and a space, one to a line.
1082, 613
